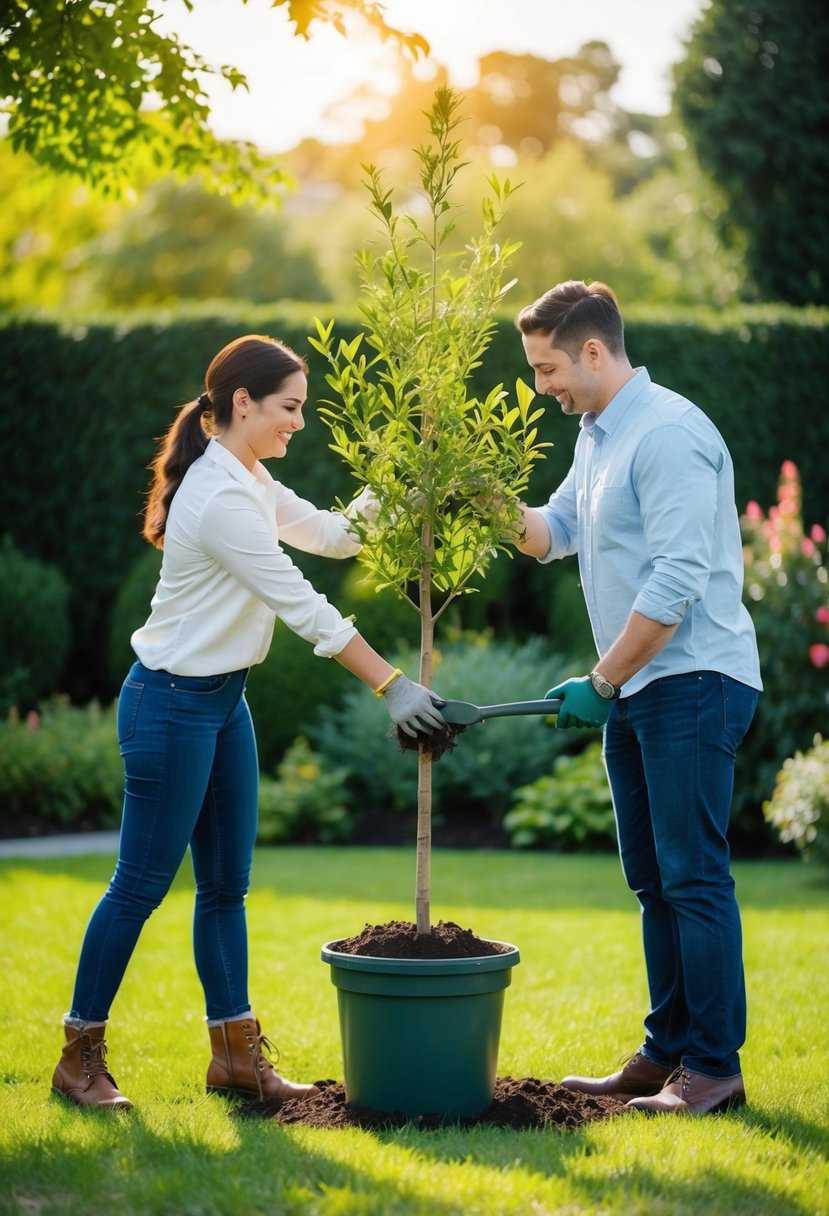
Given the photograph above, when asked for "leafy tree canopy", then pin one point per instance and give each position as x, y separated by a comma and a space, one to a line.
184, 242
86, 83
752, 94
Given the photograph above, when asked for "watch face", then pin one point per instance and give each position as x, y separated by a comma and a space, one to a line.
602, 686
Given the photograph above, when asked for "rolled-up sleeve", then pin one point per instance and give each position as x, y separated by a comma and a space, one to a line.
676, 481
235, 534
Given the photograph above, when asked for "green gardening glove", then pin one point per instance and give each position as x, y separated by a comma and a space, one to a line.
581, 705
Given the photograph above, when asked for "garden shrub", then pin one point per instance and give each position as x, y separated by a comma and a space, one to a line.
34, 626
787, 594
61, 765
799, 807
566, 810
306, 803
491, 758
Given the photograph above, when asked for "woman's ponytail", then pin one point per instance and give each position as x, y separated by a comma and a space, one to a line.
184, 442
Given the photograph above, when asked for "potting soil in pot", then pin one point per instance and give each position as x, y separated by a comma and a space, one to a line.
400, 939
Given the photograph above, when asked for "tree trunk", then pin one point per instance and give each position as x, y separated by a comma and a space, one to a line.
423, 876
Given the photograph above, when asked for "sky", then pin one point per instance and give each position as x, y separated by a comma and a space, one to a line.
296, 86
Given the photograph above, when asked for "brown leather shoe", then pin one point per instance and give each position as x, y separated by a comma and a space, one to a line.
240, 1067
690, 1093
638, 1076
81, 1075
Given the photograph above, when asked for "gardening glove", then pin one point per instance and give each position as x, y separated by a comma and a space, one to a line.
581, 705
415, 501
365, 507
411, 707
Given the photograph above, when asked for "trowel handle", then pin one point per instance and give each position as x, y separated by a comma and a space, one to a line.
512, 708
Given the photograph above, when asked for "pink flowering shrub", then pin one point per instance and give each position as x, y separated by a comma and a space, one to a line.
786, 591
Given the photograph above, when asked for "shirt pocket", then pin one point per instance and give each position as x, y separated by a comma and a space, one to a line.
614, 510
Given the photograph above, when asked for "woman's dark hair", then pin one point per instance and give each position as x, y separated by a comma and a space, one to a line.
261, 365
571, 313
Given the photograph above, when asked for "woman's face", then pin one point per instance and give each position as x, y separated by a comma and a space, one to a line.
268, 424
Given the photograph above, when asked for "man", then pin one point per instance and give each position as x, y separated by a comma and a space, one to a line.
648, 505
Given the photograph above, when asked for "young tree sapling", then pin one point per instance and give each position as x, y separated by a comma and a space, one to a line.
447, 466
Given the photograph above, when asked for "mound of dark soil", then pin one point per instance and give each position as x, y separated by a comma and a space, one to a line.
400, 939
520, 1104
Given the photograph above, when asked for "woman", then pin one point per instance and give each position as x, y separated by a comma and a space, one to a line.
184, 727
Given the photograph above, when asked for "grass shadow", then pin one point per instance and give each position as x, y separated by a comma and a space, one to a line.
589, 1166
123, 1162
803, 1135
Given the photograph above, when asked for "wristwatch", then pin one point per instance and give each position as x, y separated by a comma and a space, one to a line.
603, 687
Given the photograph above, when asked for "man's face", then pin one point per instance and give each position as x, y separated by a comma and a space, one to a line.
575, 385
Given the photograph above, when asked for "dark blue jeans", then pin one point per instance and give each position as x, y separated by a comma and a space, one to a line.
670, 752
192, 778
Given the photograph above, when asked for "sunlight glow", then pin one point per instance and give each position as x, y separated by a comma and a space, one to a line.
301, 89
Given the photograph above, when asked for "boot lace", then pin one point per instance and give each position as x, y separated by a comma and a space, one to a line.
265, 1053
682, 1076
93, 1057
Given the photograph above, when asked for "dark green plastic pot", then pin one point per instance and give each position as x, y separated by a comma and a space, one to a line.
420, 1036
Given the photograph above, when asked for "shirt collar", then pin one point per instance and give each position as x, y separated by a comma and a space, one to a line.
618, 406
220, 455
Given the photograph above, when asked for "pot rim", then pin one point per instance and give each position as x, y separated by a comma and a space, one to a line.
423, 966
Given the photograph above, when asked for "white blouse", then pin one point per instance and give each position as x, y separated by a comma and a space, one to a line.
225, 576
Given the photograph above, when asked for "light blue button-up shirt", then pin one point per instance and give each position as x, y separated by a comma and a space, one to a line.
649, 507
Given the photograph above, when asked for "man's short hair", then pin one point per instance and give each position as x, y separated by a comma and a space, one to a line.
571, 313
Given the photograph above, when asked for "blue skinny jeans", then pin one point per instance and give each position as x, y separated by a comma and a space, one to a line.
670, 752
191, 778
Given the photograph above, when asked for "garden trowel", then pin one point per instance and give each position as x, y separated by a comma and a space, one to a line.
464, 713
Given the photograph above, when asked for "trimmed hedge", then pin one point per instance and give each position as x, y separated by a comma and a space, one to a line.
84, 401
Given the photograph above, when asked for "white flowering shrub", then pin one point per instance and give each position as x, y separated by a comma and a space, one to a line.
799, 807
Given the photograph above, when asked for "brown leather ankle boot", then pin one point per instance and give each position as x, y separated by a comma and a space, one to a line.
81, 1075
240, 1067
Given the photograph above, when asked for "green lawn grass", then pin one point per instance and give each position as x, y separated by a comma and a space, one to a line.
576, 1003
